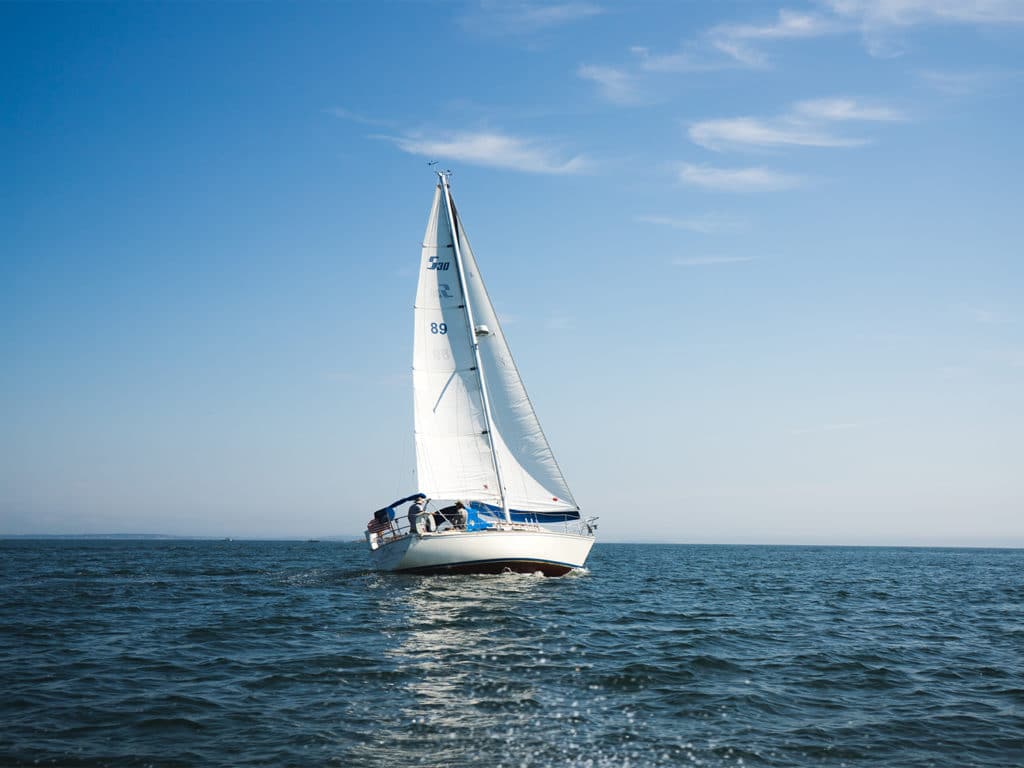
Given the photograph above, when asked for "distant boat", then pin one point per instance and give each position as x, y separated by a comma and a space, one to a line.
478, 440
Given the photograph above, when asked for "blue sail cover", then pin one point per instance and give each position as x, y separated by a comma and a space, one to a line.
517, 515
521, 516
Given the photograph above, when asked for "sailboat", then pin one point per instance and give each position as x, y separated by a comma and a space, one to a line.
479, 445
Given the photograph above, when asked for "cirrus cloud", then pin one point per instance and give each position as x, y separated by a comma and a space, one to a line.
515, 18
737, 40
904, 13
751, 132
806, 124
756, 179
493, 149
616, 85
704, 224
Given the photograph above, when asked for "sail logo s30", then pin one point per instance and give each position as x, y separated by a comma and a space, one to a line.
434, 262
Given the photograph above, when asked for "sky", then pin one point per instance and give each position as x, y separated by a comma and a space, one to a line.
760, 265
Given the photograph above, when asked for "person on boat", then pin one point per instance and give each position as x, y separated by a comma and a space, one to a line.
455, 515
415, 510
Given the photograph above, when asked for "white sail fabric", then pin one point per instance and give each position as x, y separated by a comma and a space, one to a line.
532, 477
453, 449
453, 455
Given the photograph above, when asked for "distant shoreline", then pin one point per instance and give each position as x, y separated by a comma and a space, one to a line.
166, 537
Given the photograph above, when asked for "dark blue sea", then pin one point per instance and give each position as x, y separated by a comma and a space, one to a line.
198, 653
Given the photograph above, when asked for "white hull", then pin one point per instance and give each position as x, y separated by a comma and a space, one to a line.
522, 550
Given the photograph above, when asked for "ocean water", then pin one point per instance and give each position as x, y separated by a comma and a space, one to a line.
172, 653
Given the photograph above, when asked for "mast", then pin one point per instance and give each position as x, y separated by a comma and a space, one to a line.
443, 177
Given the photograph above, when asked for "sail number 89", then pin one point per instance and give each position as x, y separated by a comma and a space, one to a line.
441, 328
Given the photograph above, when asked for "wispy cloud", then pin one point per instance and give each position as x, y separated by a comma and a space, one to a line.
737, 179
709, 261
544, 16
499, 18
738, 132
739, 41
750, 45
903, 13
806, 124
728, 46
967, 83
953, 83
677, 61
705, 224
789, 25
493, 149
616, 85
841, 109
879, 21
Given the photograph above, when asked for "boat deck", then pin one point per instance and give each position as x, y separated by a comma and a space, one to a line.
399, 529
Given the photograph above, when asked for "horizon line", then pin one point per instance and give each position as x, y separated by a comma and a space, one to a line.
350, 538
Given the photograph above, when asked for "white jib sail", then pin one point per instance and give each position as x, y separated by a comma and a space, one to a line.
453, 455
532, 477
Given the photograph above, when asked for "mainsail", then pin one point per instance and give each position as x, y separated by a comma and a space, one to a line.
462, 447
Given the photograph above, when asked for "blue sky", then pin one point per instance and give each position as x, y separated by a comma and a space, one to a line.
760, 265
